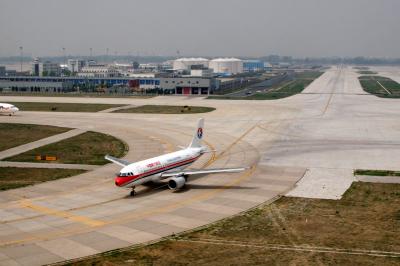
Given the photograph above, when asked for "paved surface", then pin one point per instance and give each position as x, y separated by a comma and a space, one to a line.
323, 183
39, 143
330, 129
48, 165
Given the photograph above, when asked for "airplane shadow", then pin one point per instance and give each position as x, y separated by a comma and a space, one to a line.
152, 188
197, 186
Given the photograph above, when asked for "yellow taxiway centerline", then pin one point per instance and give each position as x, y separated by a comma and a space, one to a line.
63, 214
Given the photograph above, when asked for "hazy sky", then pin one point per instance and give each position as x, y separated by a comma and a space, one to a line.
201, 27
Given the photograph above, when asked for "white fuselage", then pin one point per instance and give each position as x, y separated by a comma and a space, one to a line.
8, 109
151, 169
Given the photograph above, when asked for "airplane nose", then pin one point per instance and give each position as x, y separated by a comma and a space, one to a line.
118, 181
16, 109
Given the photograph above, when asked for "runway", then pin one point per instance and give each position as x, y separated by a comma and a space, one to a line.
321, 134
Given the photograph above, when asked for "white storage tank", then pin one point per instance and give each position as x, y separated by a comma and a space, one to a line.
186, 63
226, 65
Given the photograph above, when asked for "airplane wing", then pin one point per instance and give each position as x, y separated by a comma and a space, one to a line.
116, 160
201, 171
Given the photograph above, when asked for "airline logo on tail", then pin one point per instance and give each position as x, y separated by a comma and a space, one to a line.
199, 132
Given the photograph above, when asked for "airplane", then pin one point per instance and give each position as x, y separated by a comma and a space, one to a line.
168, 166
8, 109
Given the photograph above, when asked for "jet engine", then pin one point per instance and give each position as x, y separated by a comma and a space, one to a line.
176, 182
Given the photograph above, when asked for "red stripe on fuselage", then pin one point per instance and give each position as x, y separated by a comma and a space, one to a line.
125, 180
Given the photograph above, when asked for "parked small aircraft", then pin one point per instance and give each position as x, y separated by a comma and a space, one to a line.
8, 109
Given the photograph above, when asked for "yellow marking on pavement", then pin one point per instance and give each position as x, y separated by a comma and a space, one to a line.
216, 157
136, 216
183, 203
213, 155
63, 214
330, 97
169, 146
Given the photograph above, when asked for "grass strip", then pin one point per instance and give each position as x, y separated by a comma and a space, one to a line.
166, 109
12, 135
370, 84
376, 172
86, 148
62, 107
13, 177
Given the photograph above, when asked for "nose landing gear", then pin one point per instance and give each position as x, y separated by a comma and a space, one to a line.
132, 193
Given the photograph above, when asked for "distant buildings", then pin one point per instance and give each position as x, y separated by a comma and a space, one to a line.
188, 76
2, 70
202, 72
75, 65
49, 69
253, 65
187, 63
98, 71
179, 85
226, 66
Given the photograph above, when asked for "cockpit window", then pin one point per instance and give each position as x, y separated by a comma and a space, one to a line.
125, 174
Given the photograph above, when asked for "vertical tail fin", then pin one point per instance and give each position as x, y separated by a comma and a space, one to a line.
198, 135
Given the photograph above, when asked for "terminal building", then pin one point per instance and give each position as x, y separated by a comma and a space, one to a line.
181, 85
188, 85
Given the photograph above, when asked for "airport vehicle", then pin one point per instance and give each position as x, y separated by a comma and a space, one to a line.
8, 109
169, 166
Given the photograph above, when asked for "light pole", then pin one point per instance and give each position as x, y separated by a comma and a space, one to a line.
21, 48
65, 63
65, 60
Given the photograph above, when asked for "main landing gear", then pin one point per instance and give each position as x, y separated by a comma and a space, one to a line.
132, 192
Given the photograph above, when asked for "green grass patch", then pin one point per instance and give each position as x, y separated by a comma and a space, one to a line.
367, 72
288, 90
62, 107
373, 85
282, 90
13, 177
308, 75
361, 68
87, 148
376, 172
367, 217
166, 109
12, 135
